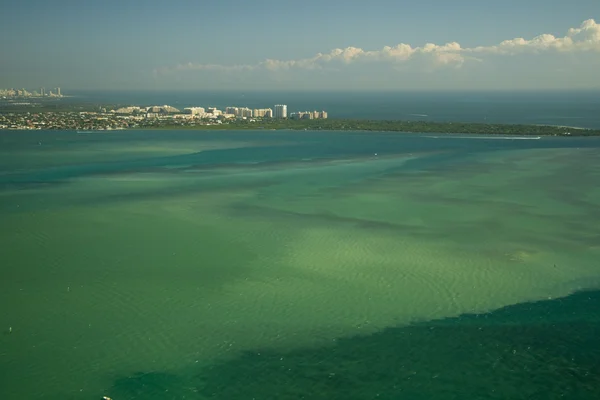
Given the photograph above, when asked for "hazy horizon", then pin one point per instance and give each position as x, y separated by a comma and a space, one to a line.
429, 45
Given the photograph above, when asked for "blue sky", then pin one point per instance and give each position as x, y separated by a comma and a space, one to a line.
228, 44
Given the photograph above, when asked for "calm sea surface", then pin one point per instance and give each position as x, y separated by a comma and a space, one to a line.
563, 108
290, 265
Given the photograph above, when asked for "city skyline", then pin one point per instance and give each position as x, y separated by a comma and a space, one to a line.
279, 111
23, 92
429, 45
103, 118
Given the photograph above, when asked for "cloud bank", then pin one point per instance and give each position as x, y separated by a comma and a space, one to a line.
586, 38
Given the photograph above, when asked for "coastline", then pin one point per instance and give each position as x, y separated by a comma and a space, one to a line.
81, 123
401, 127
430, 134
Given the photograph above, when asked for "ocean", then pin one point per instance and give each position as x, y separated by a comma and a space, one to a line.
180, 264
563, 108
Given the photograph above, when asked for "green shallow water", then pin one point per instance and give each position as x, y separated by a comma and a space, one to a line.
160, 264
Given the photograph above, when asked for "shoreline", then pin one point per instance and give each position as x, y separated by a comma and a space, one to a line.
509, 130
587, 133
83, 125
382, 126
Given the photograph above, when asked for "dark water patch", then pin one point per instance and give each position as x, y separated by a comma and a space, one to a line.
291, 163
21, 201
199, 189
260, 149
247, 158
473, 197
460, 232
456, 165
541, 350
582, 228
592, 208
572, 191
320, 218
456, 231
208, 158
149, 385
33, 184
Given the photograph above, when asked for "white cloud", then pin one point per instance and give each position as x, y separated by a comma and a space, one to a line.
586, 38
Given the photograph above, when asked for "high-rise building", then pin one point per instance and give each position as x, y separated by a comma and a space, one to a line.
58, 91
280, 111
214, 111
193, 110
262, 113
309, 115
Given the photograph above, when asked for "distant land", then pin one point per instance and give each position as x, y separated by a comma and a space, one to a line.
96, 118
396, 126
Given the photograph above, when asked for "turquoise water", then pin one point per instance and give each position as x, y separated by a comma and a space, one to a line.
338, 265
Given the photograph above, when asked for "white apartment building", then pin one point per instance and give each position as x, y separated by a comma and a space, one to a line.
262, 113
280, 111
309, 115
213, 111
194, 110
242, 112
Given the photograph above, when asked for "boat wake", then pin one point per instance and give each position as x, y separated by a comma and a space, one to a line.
487, 137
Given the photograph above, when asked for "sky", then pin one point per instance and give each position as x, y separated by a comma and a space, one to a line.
304, 45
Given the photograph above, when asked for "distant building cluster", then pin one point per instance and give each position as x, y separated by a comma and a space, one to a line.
309, 115
245, 112
152, 110
18, 93
262, 113
136, 116
278, 112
